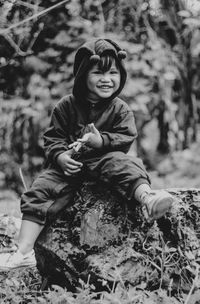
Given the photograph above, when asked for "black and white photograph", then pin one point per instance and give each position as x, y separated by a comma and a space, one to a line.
100, 151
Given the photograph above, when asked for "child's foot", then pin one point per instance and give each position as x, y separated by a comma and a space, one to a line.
15, 260
156, 203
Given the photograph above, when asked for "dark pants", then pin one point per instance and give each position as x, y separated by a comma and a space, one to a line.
52, 191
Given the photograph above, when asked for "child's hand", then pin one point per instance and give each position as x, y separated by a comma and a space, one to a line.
93, 138
69, 165
75, 146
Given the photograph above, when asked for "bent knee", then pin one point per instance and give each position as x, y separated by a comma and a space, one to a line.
116, 155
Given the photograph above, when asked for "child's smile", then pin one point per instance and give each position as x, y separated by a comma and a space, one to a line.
102, 84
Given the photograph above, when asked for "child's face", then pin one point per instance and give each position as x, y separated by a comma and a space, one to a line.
102, 84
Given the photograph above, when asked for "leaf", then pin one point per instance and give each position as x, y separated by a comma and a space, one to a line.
143, 98
135, 48
169, 75
41, 300
15, 282
192, 22
184, 13
196, 50
137, 66
9, 282
57, 288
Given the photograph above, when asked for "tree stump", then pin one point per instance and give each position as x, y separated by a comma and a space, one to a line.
104, 240
96, 221
101, 240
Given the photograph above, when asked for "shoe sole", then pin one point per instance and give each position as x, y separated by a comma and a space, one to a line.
16, 267
159, 208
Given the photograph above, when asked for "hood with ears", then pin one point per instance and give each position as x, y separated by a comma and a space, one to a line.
88, 55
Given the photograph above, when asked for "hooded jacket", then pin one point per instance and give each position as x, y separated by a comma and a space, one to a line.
73, 113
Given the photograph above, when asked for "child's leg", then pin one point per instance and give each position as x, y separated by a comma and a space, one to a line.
141, 190
29, 233
128, 177
25, 255
50, 193
123, 172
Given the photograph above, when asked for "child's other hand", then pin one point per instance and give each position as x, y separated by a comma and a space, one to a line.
69, 165
93, 138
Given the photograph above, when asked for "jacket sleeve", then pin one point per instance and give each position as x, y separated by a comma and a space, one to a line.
55, 137
122, 134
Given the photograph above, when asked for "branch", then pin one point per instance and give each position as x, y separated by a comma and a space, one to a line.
37, 15
16, 47
29, 5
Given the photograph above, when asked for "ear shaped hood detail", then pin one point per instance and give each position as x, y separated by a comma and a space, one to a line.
88, 55
94, 59
121, 54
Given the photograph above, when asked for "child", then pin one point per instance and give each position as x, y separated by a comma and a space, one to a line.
89, 135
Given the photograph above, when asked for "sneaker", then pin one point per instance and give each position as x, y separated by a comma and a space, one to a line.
156, 203
15, 260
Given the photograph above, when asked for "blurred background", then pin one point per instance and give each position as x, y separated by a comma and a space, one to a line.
38, 40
